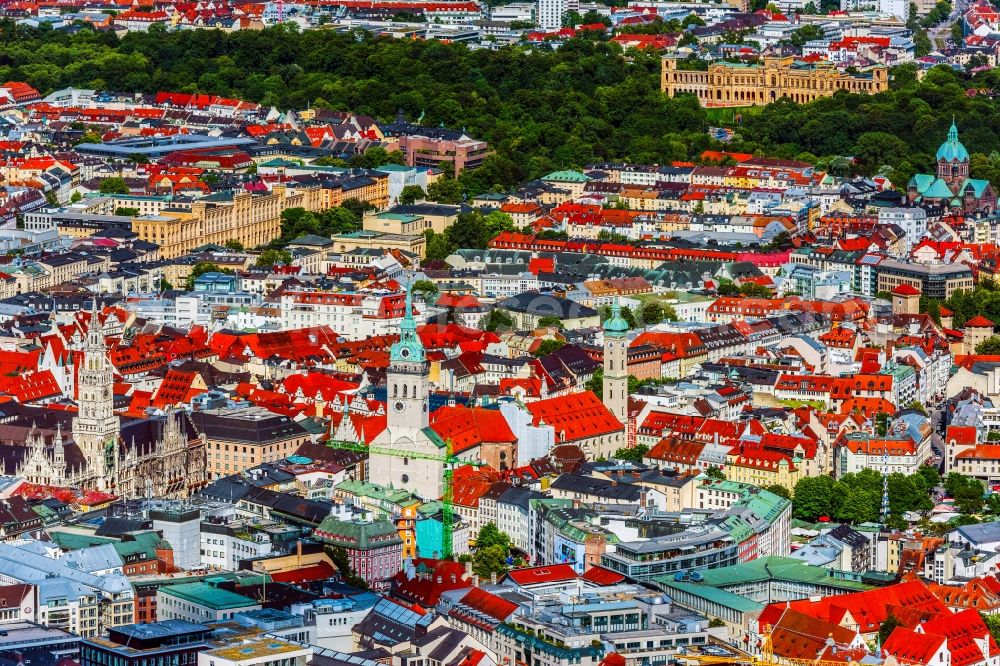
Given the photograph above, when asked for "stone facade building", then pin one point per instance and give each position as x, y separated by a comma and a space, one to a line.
729, 84
155, 456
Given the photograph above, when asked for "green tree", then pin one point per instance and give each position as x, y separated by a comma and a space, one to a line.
992, 624
437, 247
814, 497
411, 194
596, 383
357, 207
75, 197
633, 454
489, 561
546, 347
652, 313
340, 560
990, 346
887, 627
549, 321
497, 320
490, 535
113, 185
200, 269
806, 33
917, 406
930, 475
234, 245
780, 491
126, 211
377, 156
754, 290
269, 258
445, 190
714, 472
425, 288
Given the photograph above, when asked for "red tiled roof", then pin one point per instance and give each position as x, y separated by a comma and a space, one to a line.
979, 321
314, 572
905, 290
962, 435
963, 631
575, 416
601, 576
544, 574
489, 604
468, 427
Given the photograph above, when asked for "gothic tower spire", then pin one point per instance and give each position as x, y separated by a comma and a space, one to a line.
96, 426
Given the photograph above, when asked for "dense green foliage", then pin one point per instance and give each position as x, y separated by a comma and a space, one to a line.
471, 230
296, 222
633, 455
857, 497
967, 492
492, 551
540, 110
983, 300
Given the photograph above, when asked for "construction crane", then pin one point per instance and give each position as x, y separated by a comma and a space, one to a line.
765, 658
449, 461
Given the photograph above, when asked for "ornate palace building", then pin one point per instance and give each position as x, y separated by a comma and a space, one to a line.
729, 84
156, 456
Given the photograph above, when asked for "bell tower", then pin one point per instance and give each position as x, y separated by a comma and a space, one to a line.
616, 363
407, 377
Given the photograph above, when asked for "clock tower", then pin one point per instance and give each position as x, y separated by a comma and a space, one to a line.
407, 376
407, 454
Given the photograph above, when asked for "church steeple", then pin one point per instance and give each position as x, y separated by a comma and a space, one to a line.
407, 377
409, 349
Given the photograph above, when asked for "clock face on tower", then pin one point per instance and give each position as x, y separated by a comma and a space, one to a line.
399, 406
404, 352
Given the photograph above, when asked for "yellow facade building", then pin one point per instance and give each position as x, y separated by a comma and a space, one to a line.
251, 219
732, 84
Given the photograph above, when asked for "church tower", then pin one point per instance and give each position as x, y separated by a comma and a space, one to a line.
616, 363
407, 377
953, 160
96, 427
405, 455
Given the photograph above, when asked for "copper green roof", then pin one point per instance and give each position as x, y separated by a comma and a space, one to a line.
567, 177
939, 190
952, 149
208, 596
357, 536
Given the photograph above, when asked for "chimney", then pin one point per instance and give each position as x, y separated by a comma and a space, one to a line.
298, 552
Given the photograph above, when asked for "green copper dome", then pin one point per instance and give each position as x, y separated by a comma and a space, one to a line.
616, 323
409, 349
952, 150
